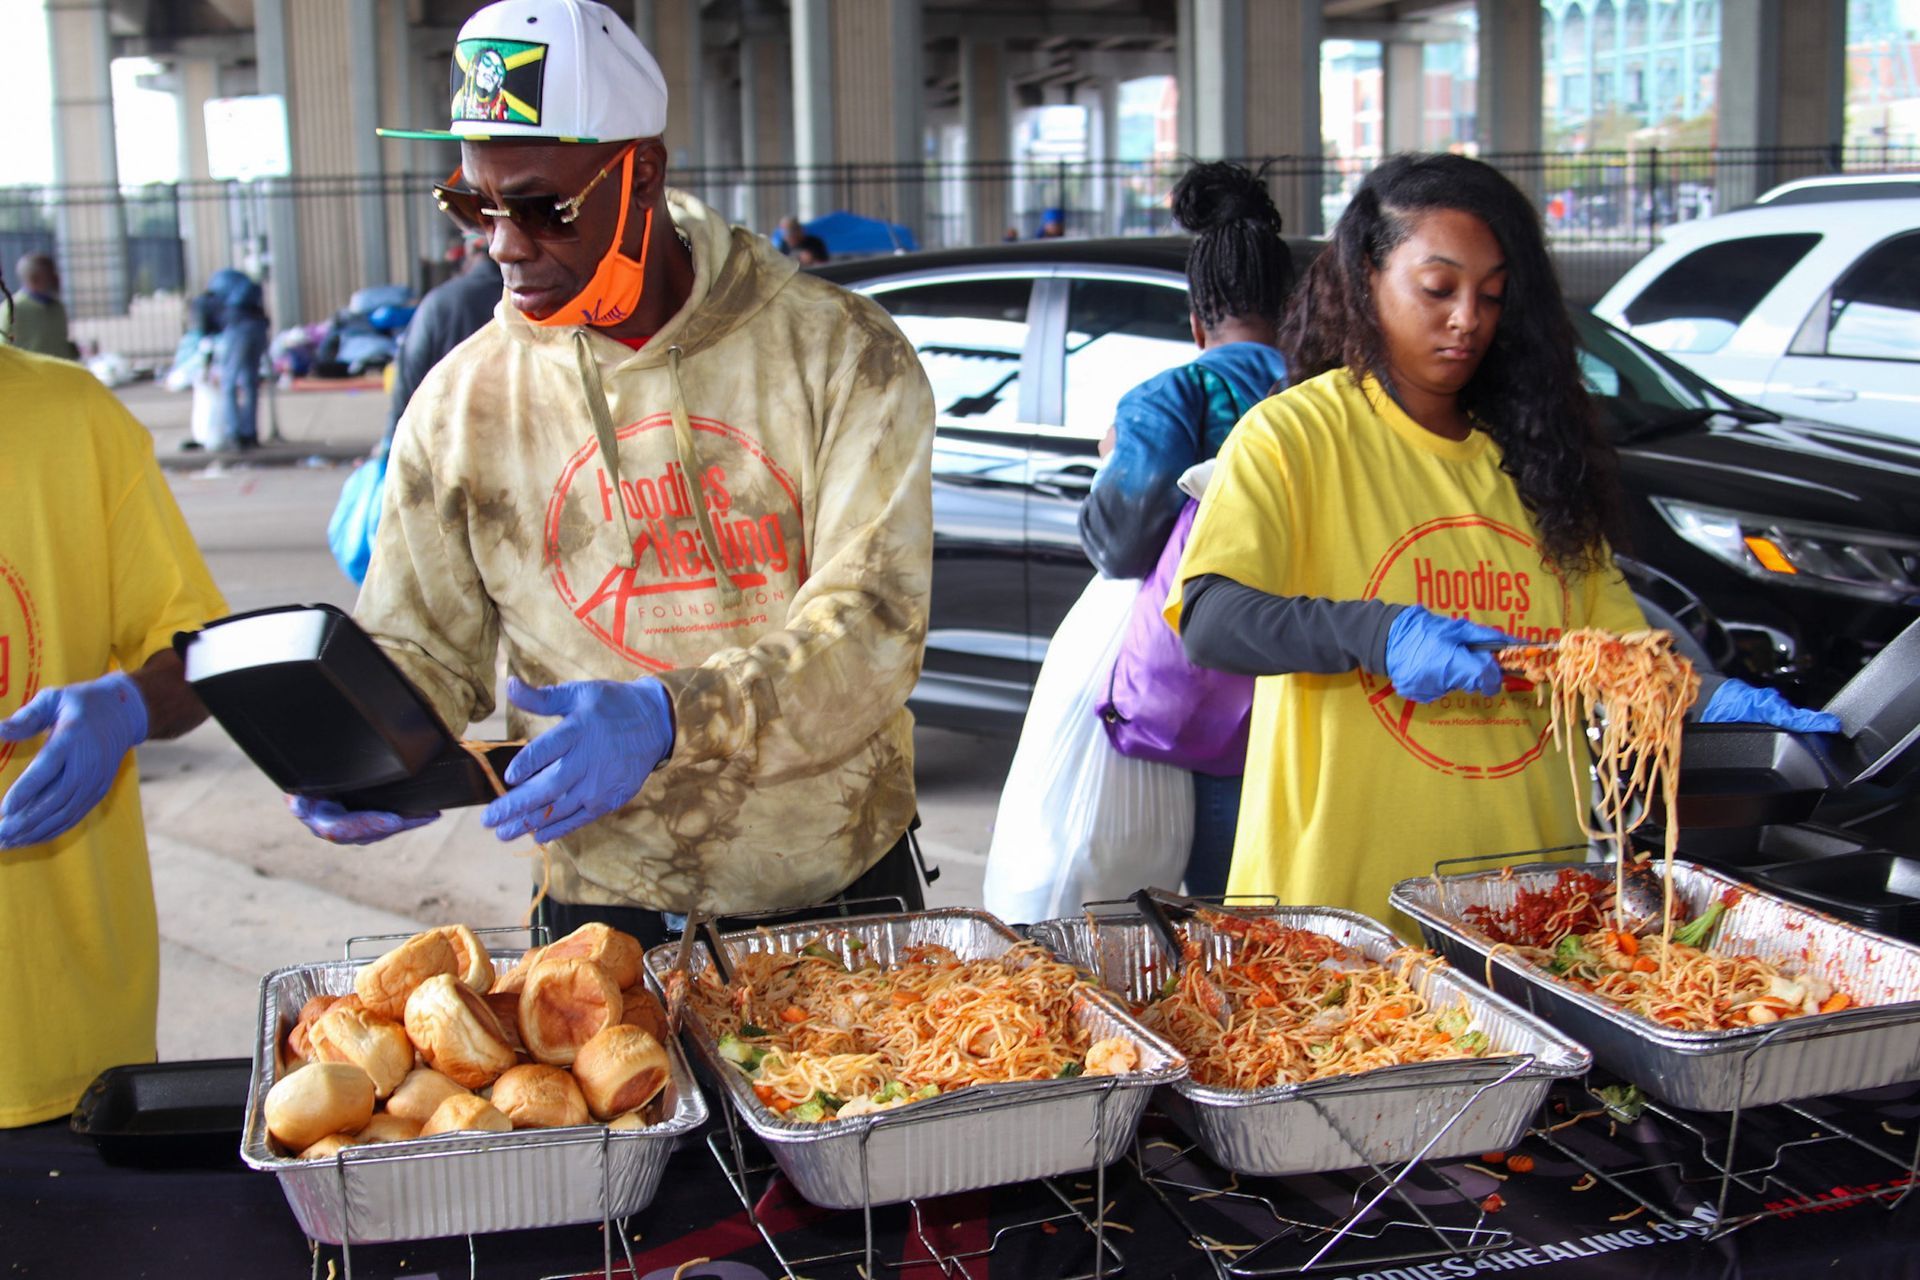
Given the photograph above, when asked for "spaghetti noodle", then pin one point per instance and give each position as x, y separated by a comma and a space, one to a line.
1303, 1007
1671, 978
823, 1041
1633, 691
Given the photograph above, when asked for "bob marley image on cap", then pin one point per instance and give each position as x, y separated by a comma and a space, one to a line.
498, 80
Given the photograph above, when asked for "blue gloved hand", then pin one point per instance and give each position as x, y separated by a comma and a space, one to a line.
1428, 658
337, 824
93, 726
1738, 701
610, 737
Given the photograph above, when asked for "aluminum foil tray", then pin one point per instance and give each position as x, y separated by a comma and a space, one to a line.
1385, 1116
456, 1184
983, 1136
1875, 1043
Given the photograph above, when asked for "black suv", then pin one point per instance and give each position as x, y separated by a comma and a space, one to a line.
1789, 551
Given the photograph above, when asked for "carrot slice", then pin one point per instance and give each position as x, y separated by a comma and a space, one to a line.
1836, 1002
793, 1013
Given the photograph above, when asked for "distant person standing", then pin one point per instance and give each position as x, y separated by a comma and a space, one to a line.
238, 351
451, 312
35, 318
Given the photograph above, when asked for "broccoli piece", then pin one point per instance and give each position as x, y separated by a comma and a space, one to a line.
924, 1092
1695, 932
1068, 1070
750, 1032
1337, 995
820, 951
1571, 954
740, 1053
821, 1106
1624, 1102
1453, 1022
1474, 1042
889, 1091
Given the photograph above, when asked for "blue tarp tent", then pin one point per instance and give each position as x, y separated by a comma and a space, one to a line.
847, 234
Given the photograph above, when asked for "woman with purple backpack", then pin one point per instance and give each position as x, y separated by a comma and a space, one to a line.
1239, 273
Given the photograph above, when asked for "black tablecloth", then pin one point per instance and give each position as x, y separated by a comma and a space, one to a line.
66, 1212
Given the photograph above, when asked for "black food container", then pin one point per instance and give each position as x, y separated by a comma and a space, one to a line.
325, 713
167, 1115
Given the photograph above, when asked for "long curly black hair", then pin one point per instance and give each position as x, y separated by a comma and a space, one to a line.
1527, 392
1237, 264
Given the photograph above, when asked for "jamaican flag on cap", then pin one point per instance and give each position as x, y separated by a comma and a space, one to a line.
498, 80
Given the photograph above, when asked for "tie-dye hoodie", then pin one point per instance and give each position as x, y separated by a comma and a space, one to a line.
797, 416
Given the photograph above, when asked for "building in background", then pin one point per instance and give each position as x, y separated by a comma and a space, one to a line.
1621, 72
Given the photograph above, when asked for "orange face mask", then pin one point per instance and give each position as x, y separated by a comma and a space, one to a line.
613, 294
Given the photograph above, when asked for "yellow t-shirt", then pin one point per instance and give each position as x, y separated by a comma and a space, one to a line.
97, 570
1331, 490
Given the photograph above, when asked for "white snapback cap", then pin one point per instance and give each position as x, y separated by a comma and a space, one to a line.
559, 70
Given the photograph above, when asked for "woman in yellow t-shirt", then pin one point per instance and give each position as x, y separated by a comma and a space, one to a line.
1435, 477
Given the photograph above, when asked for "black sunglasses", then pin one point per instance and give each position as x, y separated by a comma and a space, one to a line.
543, 217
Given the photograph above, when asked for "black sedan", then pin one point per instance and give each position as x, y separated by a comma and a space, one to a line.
1789, 551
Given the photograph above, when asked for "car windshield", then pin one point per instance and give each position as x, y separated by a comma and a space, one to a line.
1641, 393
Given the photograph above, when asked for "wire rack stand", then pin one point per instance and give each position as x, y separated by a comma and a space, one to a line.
1737, 1187
729, 1152
1361, 1223
610, 1226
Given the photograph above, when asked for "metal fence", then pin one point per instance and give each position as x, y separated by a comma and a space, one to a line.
1602, 211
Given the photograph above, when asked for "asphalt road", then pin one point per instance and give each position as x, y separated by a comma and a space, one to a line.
243, 889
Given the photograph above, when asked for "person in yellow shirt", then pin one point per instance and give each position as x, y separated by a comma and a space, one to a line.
97, 572
1434, 480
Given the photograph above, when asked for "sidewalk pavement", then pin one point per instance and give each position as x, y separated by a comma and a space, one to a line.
314, 420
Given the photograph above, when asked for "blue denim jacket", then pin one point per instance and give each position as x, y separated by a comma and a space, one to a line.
1163, 426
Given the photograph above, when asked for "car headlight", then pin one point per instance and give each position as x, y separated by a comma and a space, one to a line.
1848, 562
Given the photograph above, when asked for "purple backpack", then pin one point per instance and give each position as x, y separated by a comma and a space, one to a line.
1161, 707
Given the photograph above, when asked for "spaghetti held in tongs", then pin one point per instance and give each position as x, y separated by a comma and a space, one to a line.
1632, 691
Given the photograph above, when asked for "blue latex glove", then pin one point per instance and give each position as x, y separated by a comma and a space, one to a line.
1736, 701
611, 735
1428, 658
337, 824
92, 727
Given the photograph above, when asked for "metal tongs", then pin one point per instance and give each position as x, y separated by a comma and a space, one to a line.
1211, 998
679, 980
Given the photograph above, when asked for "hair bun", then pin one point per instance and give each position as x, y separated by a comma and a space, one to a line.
1216, 194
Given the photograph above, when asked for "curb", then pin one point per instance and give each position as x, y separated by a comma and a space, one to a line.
286, 454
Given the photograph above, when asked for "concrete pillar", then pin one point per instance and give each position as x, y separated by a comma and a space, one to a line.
811, 34
1508, 100
766, 126
364, 82
1183, 76
673, 37
286, 296
203, 216
1782, 84
987, 118
872, 118
1256, 93
90, 225
1508, 97
1109, 208
1403, 85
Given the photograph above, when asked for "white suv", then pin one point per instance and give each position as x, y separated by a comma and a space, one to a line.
1812, 310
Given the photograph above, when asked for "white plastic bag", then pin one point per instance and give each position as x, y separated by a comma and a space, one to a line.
1078, 821
208, 422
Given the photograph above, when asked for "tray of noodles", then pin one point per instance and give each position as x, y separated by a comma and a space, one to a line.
887, 1058
1751, 1000
1343, 1044
456, 1183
